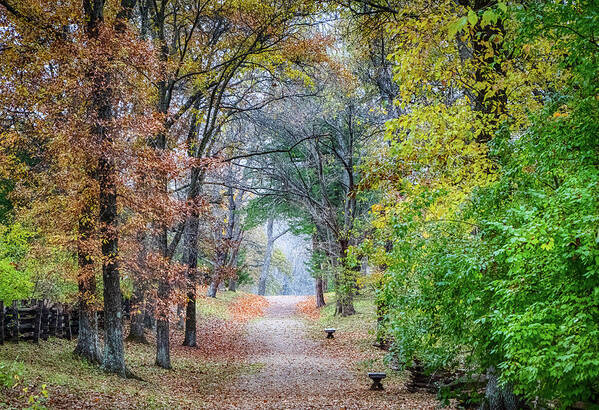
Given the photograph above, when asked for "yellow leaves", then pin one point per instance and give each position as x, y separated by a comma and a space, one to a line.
549, 245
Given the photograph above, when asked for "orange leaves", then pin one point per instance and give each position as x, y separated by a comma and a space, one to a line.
308, 307
248, 307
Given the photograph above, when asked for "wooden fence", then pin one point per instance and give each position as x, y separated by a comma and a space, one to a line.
32, 320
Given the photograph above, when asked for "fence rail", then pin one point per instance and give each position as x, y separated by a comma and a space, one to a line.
32, 320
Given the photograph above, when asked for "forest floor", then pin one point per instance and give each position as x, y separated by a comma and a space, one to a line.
301, 369
250, 356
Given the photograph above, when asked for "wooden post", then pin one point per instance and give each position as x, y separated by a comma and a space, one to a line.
45, 328
59, 321
1, 322
37, 324
67, 324
53, 320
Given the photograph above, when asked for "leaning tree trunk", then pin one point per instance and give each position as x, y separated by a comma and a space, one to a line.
87, 343
267, 258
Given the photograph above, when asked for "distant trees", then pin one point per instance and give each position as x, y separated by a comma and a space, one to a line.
319, 172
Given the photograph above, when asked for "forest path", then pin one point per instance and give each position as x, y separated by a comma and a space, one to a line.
296, 372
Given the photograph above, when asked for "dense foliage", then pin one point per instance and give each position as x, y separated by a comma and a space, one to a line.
495, 256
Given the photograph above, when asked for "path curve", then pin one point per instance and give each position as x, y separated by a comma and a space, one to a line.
296, 373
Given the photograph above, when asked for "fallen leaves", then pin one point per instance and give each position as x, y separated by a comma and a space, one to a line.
248, 307
308, 307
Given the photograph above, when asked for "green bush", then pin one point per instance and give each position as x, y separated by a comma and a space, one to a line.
15, 280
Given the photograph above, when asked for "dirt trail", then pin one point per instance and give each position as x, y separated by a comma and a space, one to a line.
296, 373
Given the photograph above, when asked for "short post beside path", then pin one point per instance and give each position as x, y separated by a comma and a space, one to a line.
330, 332
376, 380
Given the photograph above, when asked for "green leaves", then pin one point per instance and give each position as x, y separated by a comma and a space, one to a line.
472, 18
504, 274
490, 16
457, 26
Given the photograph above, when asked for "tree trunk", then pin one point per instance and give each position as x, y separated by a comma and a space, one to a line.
213, 287
149, 319
190, 258
319, 283
88, 346
499, 397
233, 285
267, 258
159, 144
137, 325
319, 293
138, 302
190, 323
345, 305
114, 354
180, 316
345, 286
163, 353
488, 55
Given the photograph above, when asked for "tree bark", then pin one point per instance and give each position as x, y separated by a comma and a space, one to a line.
137, 326
497, 396
233, 285
267, 257
114, 354
318, 281
88, 346
162, 320
138, 312
190, 258
320, 302
345, 286
138, 299
213, 287
488, 54
163, 352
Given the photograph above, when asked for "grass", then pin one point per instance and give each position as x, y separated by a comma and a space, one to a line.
197, 374
217, 307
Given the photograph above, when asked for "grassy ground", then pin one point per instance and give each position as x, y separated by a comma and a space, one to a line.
217, 307
196, 376
354, 336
